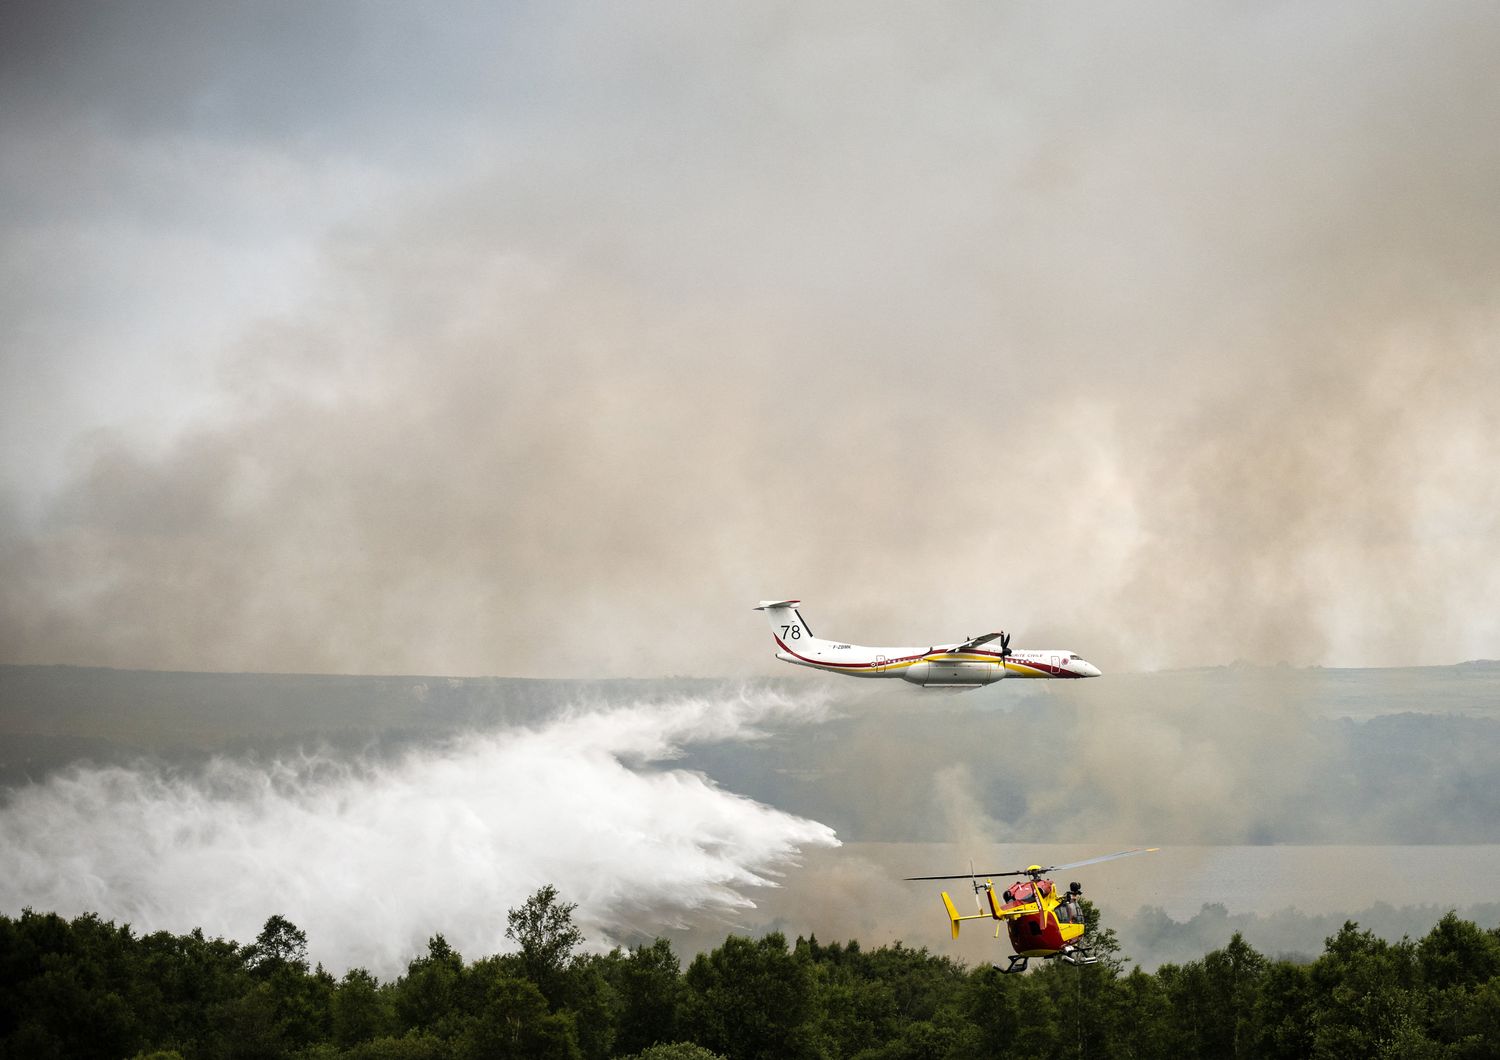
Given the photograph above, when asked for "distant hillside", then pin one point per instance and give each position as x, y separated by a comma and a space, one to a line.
1461, 688
53, 715
1225, 755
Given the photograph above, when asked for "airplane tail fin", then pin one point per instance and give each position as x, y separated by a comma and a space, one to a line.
787, 623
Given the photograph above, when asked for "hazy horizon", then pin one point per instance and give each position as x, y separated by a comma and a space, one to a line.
690, 808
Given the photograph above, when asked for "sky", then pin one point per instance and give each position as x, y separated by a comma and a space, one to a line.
545, 340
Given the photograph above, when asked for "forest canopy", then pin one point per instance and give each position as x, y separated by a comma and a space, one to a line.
87, 987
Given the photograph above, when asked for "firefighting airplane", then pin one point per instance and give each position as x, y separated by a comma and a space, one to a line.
964, 665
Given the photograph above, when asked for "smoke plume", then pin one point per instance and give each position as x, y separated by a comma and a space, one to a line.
1167, 335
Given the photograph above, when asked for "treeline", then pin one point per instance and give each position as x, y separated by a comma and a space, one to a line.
90, 988
1155, 937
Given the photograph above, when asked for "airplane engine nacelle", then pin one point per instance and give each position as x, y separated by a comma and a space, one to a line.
954, 674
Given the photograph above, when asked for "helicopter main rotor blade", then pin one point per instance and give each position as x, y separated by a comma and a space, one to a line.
1106, 857
1049, 868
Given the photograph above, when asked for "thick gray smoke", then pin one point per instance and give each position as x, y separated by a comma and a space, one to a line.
371, 859
1165, 334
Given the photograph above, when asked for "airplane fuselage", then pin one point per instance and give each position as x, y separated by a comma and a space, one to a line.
957, 665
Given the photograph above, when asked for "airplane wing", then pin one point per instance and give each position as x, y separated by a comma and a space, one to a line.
972, 642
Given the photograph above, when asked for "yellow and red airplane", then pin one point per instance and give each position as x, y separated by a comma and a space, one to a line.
966, 664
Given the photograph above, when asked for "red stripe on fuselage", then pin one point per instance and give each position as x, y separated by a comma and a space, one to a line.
1047, 668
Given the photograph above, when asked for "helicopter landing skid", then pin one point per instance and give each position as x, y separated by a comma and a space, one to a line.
1074, 955
1078, 955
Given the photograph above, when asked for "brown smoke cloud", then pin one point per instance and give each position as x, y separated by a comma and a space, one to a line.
1167, 337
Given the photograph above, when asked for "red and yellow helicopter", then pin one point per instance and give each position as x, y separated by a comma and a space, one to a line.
1042, 921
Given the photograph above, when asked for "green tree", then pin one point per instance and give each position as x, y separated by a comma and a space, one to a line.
1367, 997
280, 944
188, 983
1467, 1021
1039, 1028
412, 1046
863, 1002
1192, 1021
749, 999
1232, 977
290, 1006
68, 987
1146, 1027
543, 927
1283, 1017
992, 1006
588, 995
674, 1051
1100, 940
1456, 953
852, 1012
513, 1022
361, 1011
427, 997
649, 993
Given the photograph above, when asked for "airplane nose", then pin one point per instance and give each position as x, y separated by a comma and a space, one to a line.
1089, 669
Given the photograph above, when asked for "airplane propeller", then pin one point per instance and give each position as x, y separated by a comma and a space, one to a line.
973, 642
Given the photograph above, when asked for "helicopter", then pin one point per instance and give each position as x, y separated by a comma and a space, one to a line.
1042, 922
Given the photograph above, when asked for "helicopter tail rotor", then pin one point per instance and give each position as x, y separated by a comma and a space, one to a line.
987, 888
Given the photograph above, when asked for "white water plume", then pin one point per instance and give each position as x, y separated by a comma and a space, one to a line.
371, 858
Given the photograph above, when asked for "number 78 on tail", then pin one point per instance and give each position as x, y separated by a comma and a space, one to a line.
967, 663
